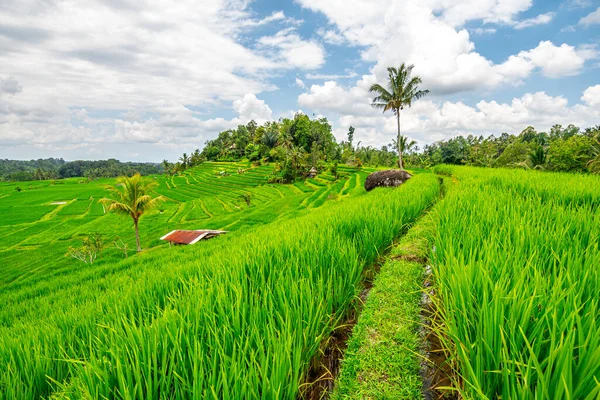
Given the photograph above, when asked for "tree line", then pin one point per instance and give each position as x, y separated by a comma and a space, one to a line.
57, 168
565, 149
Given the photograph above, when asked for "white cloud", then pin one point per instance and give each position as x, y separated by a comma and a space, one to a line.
430, 34
541, 19
484, 31
557, 61
429, 120
331, 36
249, 107
349, 74
276, 16
294, 51
591, 19
300, 83
591, 96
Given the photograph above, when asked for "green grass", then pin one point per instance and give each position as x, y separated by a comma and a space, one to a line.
515, 272
382, 360
242, 316
517, 283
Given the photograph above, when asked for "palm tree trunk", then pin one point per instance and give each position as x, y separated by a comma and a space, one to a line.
137, 235
398, 141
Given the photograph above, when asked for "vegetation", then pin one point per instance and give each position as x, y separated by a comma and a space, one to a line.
57, 168
220, 320
402, 90
132, 197
515, 267
90, 247
509, 258
562, 149
381, 361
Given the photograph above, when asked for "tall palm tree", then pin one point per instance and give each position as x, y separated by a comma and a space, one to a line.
401, 90
131, 196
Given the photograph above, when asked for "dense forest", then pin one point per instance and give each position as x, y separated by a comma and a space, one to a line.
55, 168
300, 143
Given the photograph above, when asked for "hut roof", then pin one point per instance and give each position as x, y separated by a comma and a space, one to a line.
190, 236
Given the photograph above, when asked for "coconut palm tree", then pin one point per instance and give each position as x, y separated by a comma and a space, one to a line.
403, 146
401, 90
131, 196
185, 160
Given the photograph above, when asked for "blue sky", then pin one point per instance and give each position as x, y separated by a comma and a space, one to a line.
115, 78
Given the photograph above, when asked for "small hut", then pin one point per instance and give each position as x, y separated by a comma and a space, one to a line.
179, 237
313, 172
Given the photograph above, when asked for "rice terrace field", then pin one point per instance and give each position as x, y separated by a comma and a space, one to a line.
483, 284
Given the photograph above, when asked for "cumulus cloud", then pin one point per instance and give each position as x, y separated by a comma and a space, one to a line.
591, 96
556, 61
300, 83
591, 19
431, 35
249, 107
541, 19
294, 51
429, 120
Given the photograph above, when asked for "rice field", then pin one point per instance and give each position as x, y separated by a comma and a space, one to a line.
517, 280
514, 261
53, 215
239, 317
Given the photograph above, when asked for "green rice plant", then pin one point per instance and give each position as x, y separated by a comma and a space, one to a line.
242, 316
78, 207
517, 281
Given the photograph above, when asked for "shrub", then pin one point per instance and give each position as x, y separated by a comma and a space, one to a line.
442, 170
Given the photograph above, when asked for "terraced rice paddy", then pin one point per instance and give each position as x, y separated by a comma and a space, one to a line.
239, 317
55, 215
513, 256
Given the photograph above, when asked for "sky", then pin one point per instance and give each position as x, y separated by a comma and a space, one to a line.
146, 80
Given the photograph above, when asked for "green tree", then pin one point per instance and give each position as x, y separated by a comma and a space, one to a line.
185, 160
515, 153
350, 135
537, 156
166, 166
405, 146
132, 196
572, 154
403, 89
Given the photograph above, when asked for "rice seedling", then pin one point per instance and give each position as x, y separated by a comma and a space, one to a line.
517, 281
241, 317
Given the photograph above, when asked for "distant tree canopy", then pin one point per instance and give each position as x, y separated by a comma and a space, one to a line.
562, 149
297, 144
55, 168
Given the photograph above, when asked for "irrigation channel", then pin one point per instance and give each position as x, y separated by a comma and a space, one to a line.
322, 377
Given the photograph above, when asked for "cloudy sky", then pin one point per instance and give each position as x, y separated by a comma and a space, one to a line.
149, 79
